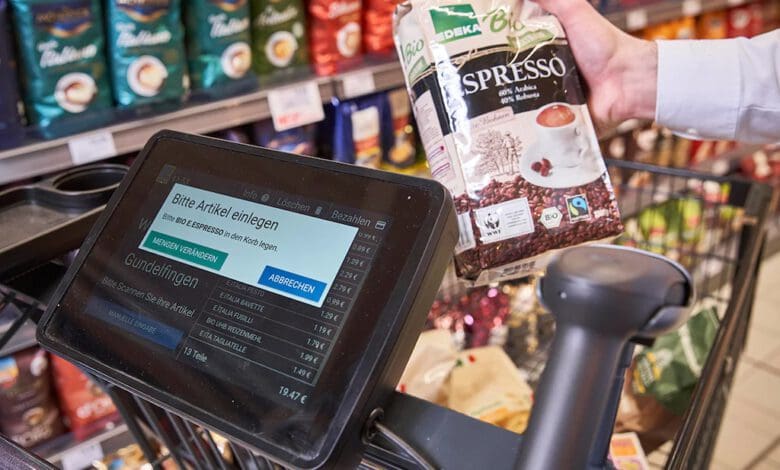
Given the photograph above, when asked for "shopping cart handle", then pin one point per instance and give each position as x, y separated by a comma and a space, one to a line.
601, 297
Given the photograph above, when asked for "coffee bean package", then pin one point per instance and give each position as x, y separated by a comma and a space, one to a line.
361, 130
279, 36
503, 118
28, 409
299, 140
62, 58
218, 39
336, 34
10, 106
146, 48
378, 25
83, 402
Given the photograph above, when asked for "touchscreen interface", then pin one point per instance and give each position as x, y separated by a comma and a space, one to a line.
240, 282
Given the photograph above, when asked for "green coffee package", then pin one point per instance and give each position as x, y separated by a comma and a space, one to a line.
278, 36
146, 51
61, 58
218, 41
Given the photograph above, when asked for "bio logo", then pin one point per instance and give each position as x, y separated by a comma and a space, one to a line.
453, 22
578, 207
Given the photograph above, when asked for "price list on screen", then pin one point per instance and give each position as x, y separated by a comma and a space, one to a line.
243, 332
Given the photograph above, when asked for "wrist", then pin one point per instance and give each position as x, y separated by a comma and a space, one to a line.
639, 79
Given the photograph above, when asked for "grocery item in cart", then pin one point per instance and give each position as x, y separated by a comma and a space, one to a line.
503, 118
336, 34
83, 403
279, 40
299, 140
61, 52
28, 409
669, 370
218, 41
10, 106
378, 25
146, 51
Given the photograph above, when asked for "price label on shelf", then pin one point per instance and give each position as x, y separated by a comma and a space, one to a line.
358, 84
691, 7
636, 19
81, 456
295, 106
91, 147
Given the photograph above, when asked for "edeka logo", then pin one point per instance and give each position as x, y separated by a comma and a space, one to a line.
453, 22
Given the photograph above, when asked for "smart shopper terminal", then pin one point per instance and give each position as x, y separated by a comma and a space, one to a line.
276, 299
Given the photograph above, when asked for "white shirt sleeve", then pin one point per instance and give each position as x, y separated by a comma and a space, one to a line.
727, 89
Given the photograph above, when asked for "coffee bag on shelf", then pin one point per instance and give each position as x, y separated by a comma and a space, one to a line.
503, 118
336, 34
10, 99
146, 46
218, 39
279, 40
62, 58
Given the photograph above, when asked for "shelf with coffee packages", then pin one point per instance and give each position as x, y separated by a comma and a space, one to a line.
126, 136
129, 131
635, 19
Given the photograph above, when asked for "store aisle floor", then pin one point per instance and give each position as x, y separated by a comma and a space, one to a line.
750, 433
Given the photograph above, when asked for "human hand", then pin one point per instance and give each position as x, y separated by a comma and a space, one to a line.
621, 71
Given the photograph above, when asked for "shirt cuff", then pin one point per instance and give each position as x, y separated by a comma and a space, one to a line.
698, 88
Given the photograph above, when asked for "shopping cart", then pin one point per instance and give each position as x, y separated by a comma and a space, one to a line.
723, 254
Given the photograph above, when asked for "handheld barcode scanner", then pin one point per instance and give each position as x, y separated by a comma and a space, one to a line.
601, 297
276, 300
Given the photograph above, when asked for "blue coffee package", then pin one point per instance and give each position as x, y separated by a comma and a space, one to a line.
62, 59
10, 106
299, 140
361, 130
146, 51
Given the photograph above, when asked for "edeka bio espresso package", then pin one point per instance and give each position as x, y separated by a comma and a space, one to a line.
62, 58
218, 40
279, 36
146, 51
503, 120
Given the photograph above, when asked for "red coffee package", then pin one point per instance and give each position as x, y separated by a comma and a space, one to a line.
336, 35
745, 21
28, 410
503, 118
84, 404
378, 25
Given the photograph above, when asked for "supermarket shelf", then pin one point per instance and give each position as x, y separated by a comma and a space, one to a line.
66, 448
660, 12
54, 155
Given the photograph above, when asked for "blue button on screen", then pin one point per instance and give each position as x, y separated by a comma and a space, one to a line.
291, 283
140, 325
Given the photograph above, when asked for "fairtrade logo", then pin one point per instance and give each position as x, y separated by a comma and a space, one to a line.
578, 207
453, 22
